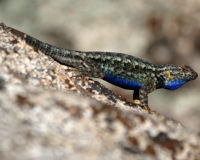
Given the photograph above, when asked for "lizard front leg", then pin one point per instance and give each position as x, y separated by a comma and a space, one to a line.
140, 96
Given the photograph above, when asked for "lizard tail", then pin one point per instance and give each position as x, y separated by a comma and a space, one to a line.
46, 48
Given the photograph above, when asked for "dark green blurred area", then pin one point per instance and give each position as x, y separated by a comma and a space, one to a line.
157, 30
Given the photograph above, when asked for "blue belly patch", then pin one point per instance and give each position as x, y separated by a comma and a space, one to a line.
174, 84
122, 82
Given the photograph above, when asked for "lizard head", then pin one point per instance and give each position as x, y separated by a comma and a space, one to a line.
174, 76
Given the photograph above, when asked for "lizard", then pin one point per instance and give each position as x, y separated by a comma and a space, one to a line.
120, 69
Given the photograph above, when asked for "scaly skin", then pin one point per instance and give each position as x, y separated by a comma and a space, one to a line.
119, 69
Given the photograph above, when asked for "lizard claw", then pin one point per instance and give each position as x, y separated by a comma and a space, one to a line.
147, 109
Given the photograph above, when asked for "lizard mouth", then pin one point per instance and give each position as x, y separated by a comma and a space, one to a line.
195, 75
192, 75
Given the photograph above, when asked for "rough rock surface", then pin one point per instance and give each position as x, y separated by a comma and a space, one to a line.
46, 113
159, 31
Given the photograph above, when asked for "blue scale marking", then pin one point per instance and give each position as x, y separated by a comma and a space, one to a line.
122, 82
174, 84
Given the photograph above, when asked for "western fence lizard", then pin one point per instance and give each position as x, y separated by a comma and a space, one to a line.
119, 69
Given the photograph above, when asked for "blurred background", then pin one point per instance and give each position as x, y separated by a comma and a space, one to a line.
158, 31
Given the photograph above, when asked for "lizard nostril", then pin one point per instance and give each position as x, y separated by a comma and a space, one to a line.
195, 75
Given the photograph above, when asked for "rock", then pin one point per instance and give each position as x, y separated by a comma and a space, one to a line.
47, 113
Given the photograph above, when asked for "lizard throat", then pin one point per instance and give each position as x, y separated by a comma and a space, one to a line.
173, 85
122, 82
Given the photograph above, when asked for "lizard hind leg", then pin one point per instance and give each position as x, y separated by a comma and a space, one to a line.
90, 69
86, 67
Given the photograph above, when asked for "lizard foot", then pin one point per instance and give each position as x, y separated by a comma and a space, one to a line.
146, 107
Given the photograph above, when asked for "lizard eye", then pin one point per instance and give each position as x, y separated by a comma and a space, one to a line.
184, 69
